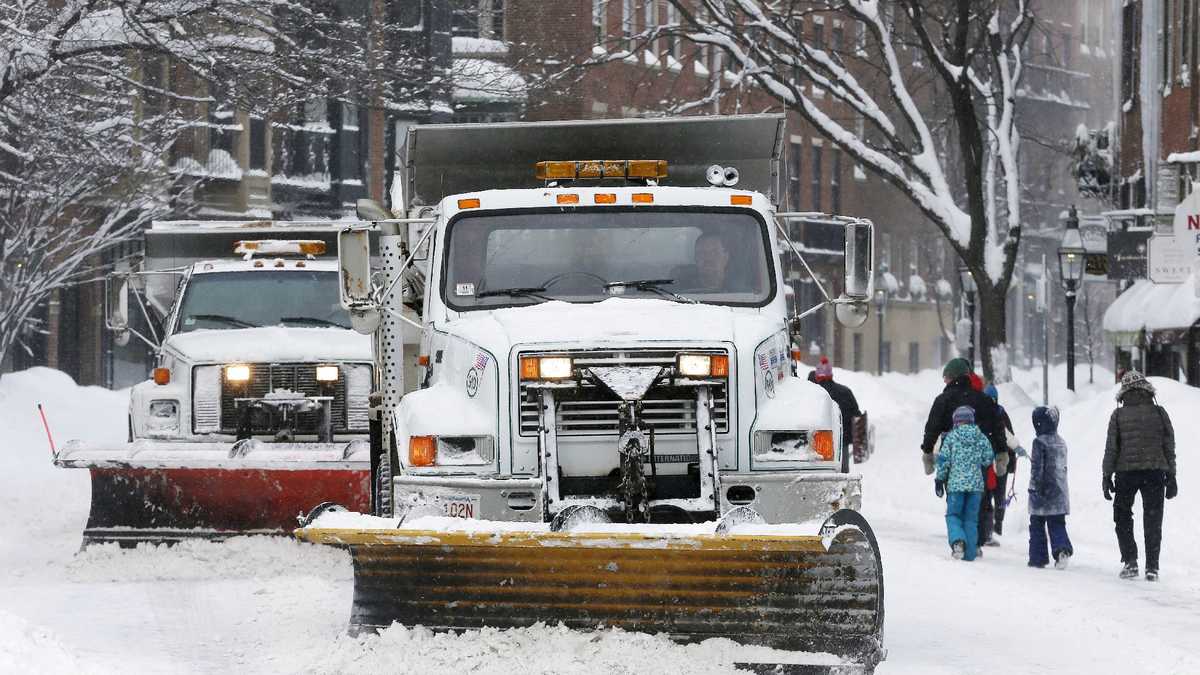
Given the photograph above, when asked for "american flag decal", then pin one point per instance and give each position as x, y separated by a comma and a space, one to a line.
481, 360
762, 361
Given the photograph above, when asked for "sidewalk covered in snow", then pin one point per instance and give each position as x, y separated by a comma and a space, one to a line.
1156, 328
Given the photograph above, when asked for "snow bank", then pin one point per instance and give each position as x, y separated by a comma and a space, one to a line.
238, 558
540, 649
52, 502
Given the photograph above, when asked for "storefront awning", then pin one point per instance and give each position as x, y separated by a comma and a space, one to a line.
1153, 308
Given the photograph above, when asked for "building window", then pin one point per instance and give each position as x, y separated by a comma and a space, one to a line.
857, 350
794, 173
816, 178
1168, 68
818, 36
258, 143
914, 357
1130, 26
478, 18
838, 36
1187, 43
835, 181
600, 20
627, 30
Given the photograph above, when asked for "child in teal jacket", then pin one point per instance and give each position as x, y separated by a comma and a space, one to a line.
964, 453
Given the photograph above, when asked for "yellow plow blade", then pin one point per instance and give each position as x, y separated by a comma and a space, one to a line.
805, 593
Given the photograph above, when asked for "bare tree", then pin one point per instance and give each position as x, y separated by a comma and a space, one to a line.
94, 92
945, 134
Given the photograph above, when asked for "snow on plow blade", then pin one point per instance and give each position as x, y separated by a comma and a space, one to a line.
819, 593
162, 491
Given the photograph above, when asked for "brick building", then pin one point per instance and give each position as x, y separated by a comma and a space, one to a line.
1157, 161
311, 161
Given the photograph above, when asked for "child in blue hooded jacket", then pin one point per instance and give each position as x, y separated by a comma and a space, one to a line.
965, 451
1049, 499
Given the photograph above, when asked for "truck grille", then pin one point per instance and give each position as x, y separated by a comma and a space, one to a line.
215, 409
592, 409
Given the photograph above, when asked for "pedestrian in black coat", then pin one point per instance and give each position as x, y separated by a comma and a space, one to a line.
1139, 457
958, 392
846, 403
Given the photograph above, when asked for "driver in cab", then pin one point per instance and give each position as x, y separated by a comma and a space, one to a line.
711, 268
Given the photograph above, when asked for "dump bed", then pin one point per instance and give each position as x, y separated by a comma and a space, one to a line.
445, 159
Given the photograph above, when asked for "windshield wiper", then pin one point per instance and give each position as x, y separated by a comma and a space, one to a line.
312, 320
519, 292
652, 286
224, 319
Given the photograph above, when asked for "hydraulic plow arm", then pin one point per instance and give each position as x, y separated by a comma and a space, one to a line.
820, 593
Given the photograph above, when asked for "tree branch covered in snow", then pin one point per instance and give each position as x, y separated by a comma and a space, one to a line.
966, 178
96, 95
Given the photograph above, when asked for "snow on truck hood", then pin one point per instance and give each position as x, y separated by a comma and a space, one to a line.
278, 344
615, 320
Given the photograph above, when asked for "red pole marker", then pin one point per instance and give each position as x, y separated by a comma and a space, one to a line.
46, 426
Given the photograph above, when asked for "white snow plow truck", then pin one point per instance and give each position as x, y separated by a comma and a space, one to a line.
257, 410
606, 428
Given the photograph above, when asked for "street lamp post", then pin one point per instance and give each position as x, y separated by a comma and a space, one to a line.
1070, 269
969, 288
881, 299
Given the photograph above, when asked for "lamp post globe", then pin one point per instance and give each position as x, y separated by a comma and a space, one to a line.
1071, 254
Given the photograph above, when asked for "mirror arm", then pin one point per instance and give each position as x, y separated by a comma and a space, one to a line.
403, 318
788, 240
808, 312
149, 322
408, 261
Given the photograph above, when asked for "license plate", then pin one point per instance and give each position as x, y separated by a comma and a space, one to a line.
459, 506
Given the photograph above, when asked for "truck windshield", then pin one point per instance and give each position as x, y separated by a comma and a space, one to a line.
221, 300
714, 257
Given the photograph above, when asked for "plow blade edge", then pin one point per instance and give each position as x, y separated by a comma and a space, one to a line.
211, 491
820, 593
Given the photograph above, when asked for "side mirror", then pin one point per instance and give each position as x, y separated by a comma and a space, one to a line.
860, 260
850, 312
116, 302
371, 210
354, 271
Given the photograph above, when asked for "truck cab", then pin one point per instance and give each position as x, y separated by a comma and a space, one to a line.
601, 340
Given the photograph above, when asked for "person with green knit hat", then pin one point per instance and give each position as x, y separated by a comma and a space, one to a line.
959, 392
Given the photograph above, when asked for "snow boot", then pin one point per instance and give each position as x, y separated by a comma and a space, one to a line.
1061, 560
958, 550
991, 542
1151, 575
1130, 571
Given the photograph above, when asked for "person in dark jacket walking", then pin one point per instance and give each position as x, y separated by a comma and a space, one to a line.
1006, 465
846, 403
1140, 453
1049, 498
958, 392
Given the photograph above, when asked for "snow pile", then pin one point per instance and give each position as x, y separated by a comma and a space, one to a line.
1154, 307
539, 649
239, 558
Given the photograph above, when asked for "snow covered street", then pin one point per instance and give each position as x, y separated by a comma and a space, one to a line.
263, 605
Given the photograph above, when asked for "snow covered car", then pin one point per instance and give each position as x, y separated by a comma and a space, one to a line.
258, 407
598, 346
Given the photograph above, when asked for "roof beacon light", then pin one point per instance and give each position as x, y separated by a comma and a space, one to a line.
251, 247
597, 169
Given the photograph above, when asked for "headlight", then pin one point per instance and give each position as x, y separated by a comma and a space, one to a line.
237, 373
702, 365
327, 373
451, 450
164, 416
546, 367
793, 446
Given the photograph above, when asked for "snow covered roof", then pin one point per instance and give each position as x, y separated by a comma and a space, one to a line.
486, 81
1154, 307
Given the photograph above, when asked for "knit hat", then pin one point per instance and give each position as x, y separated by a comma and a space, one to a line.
1133, 380
956, 368
976, 381
992, 392
963, 414
824, 371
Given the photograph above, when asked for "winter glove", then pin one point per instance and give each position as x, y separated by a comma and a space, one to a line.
1172, 487
1001, 464
939, 488
927, 462
1021, 452
1107, 486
